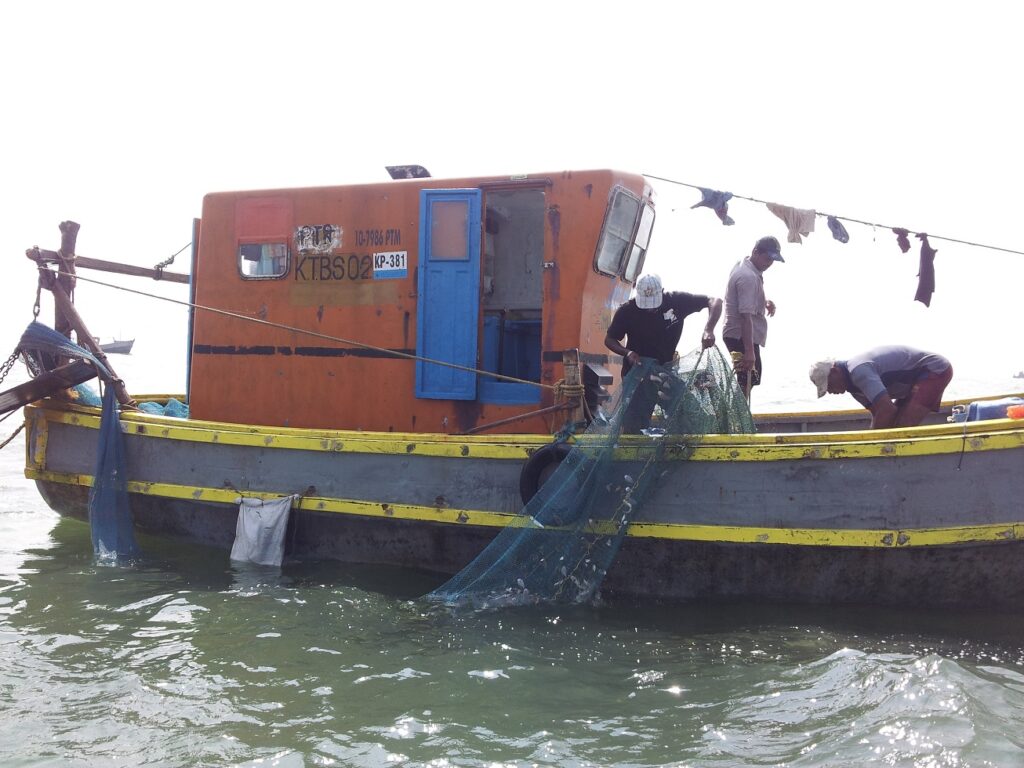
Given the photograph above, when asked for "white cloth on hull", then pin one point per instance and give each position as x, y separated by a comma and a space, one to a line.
259, 534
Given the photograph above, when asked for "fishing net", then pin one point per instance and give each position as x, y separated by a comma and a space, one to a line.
173, 407
43, 347
562, 545
110, 517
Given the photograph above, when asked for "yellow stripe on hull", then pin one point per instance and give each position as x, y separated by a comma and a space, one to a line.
923, 441
809, 537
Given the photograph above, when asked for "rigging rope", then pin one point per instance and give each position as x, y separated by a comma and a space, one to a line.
159, 268
316, 334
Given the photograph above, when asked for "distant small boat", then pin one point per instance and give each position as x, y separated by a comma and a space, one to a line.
118, 346
1019, 375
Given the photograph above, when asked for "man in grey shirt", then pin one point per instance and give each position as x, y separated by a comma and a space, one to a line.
746, 327
899, 385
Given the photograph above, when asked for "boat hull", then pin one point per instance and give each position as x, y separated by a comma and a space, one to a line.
924, 516
118, 347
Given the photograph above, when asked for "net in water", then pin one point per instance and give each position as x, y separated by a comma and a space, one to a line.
562, 545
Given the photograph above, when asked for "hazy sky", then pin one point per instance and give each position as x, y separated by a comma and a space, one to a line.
122, 116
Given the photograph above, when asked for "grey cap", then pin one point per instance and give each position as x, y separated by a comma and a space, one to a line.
769, 246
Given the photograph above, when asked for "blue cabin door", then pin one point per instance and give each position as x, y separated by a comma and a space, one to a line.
449, 293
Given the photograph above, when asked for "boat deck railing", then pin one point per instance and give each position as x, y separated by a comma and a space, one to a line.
851, 420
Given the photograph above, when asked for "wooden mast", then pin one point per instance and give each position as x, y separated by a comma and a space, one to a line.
62, 285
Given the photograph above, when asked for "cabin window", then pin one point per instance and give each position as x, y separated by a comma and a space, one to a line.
262, 260
263, 228
639, 250
448, 230
617, 233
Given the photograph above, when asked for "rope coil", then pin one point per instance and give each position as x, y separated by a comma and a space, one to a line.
569, 391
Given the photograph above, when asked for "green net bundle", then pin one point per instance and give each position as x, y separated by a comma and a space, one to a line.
562, 545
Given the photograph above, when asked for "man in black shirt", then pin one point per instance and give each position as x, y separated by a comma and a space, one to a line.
652, 323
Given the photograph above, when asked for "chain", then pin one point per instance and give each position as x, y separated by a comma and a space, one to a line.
8, 364
8, 440
159, 268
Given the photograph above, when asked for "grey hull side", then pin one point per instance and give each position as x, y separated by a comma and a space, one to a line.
817, 518
460, 483
894, 492
971, 575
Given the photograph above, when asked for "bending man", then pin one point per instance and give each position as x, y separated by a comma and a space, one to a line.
899, 385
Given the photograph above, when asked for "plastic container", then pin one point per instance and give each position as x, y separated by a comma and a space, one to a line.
983, 410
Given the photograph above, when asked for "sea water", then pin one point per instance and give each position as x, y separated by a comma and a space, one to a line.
186, 659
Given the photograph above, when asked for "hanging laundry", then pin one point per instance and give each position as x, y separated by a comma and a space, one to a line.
902, 238
925, 272
259, 532
717, 201
838, 230
799, 221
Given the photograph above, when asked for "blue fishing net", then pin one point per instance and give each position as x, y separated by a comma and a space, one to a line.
110, 517
83, 394
42, 346
562, 545
172, 407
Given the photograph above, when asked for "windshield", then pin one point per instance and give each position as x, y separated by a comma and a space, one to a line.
617, 232
639, 251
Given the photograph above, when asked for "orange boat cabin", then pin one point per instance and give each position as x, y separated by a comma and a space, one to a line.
497, 274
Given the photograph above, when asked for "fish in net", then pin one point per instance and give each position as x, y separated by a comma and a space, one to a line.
562, 545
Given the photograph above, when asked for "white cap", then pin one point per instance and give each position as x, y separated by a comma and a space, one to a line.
648, 292
819, 375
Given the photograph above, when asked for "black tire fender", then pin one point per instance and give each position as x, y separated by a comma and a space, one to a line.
539, 466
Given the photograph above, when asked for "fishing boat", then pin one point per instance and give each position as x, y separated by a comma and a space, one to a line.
399, 356
118, 346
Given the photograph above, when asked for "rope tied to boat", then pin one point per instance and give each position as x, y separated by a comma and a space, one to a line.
569, 391
159, 268
316, 334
